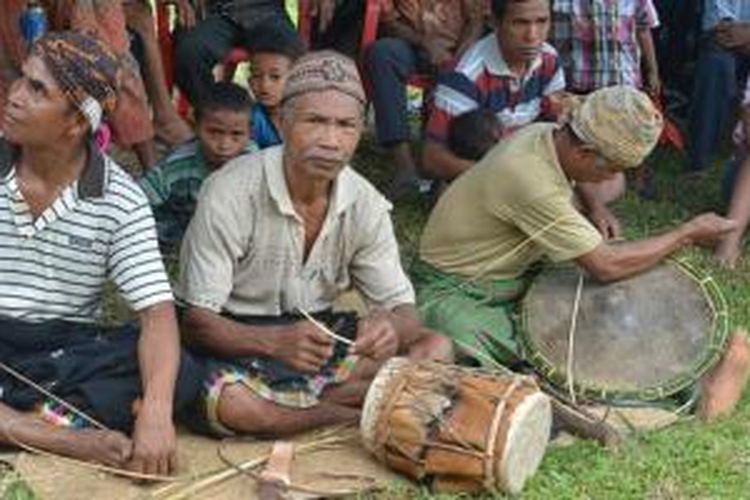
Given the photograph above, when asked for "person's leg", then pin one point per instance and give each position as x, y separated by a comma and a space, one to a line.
239, 409
271, 25
199, 50
729, 249
345, 30
351, 394
478, 317
722, 387
389, 63
610, 190
168, 124
102, 446
714, 90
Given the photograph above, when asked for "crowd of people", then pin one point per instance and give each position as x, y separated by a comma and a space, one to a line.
539, 108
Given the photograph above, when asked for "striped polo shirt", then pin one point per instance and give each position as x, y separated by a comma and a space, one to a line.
482, 80
99, 229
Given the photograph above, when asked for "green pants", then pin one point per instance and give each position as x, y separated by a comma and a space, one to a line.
478, 314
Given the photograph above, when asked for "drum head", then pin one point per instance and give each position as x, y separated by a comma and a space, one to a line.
644, 338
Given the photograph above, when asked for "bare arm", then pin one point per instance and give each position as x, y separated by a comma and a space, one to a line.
646, 44
440, 163
614, 262
159, 354
300, 345
221, 336
154, 440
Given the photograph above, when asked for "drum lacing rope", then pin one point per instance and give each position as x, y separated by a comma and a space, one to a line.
571, 339
489, 470
424, 408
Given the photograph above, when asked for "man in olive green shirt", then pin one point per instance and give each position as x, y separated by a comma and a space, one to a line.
508, 213
515, 208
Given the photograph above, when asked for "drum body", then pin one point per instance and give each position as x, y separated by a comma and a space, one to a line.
456, 428
640, 339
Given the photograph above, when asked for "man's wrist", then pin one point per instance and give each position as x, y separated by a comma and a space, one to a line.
157, 406
685, 235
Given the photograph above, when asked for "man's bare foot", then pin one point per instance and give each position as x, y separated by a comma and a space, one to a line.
173, 132
105, 447
722, 387
728, 251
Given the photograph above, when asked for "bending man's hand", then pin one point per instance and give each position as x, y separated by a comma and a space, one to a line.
606, 222
708, 228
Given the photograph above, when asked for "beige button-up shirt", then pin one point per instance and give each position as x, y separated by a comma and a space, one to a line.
244, 249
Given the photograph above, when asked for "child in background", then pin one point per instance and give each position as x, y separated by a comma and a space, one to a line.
222, 133
269, 67
729, 250
472, 134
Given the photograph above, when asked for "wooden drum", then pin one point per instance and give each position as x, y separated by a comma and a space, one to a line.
456, 428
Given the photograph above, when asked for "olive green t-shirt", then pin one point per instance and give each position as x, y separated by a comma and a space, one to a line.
510, 210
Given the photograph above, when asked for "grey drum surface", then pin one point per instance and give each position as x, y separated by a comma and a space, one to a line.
645, 337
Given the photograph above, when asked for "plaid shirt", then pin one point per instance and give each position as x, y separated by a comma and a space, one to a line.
482, 79
597, 40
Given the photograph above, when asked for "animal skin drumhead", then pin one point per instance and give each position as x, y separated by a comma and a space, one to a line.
631, 336
527, 440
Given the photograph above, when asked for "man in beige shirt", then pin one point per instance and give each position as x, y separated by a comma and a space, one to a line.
280, 234
515, 208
